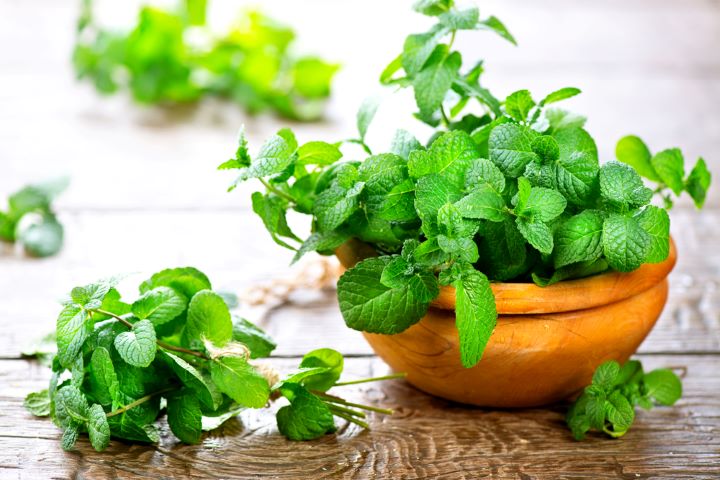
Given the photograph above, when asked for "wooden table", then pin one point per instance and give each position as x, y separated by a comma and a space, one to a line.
145, 196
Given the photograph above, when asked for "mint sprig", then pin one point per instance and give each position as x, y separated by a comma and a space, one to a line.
116, 363
608, 404
514, 192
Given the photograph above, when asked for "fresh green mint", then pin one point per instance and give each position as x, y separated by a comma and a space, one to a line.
176, 349
31, 221
504, 190
608, 404
172, 57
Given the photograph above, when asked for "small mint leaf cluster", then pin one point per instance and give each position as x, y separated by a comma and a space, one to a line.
31, 221
172, 57
177, 345
512, 192
608, 404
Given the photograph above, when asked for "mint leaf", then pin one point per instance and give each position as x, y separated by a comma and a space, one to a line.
186, 280
399, 203
38, 403
403, 143
192, 379
272, 210
561, 119
185, 417
330, 360
159, 305
625, 243
547, 148
318, 153
98, 428
71, 407
435, 78
481, 172
42, 239
449, 156
368, 305
663, 386
237, 379
335, 205
537, 234
633, 151
418, 48
460, 19
483, 203
492, 23
559, 95
242, 155
542, 204
475, 314
519, 104
137, 347
621, 184
432, 7
577, 167
619, 413
698, 182
606, 375
72, 330
70, 436
579, 239
365, 115
208, 318
322, 242
274, 156
656, 222
432, 192
306, 418
670, 167
247, 333
103, 379
511, 148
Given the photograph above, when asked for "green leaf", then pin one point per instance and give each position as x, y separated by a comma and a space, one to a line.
625, 243
663, 386
511, 148
656, 222
492, 23
184, 417
606, 375
449, 156
335, 205
460, 19
124, 426
633, 151
71, 407
70, 436
193, 379
543, 204
239, 380
306, 418
38, 403
98, 428
559, 95
573, 271
365, 115
432, 192
186, 280
274, 156
91, 296
484, 172
72, 330
208, 318
432, 7
537, 233
323, 242
503, 253
242, 156
403, 143
435, 79
318, 153
577, 167
327, 358
368, 305
272, 210
250, 335
670, 167
561, 119
620, 413
137, 347
579, 239
621, 184
399, 203
519, 104
698, 182
42, 239
159, 305
475, 314
103, 379
483, 203
547, 148
418, 48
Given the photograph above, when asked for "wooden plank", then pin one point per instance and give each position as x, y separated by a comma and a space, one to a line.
427, 437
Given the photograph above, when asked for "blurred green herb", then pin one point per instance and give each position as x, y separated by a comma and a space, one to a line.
608, 404
31, 221
172, 57
178, 346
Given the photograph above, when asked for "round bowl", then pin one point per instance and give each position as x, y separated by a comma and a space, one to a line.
547, 342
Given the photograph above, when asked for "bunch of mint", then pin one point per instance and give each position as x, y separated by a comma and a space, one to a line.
160, 63
177, 350
31, 221
608, 404
514, 192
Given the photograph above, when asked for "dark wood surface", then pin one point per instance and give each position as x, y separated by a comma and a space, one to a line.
145, 196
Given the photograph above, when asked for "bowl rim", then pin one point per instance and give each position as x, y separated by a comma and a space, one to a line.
528, 298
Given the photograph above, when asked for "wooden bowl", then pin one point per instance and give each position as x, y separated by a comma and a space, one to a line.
547, 342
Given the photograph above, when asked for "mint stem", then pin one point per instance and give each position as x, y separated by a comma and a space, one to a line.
137, 402
334, 399
352, 420
394, 376
277, 192
348, 411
